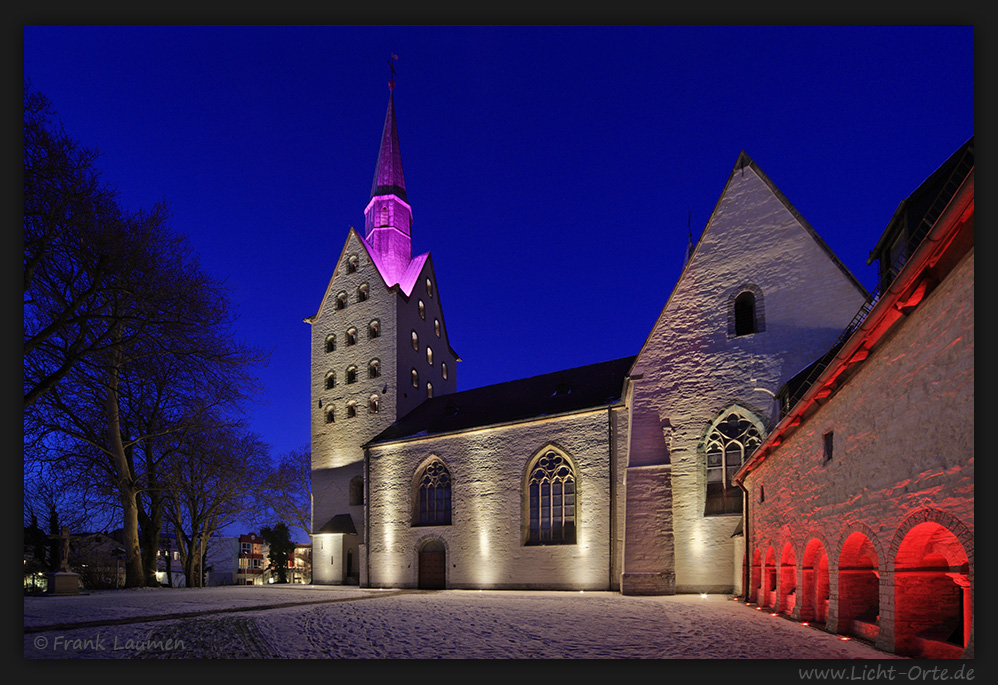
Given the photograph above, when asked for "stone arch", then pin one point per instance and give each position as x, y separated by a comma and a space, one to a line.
786, 600
815, 580
769, 577
930, 564
755, 576
858, 572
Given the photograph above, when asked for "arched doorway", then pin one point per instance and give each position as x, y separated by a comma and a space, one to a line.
788, 580
859, 588
931, 594
814, 590
432, 565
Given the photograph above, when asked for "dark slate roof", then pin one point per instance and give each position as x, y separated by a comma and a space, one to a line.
388, 177
561, 392
341, 523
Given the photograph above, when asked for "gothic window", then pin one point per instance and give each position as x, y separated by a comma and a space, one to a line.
351, 263
351, 336
731, 438
374, 329
351, 409
746, 311
429, 287
429, 390
330, 415
330, 380
373, 368
429, 356
341, 300
415, 378
363, 292
356, 491
436, 327
422, 310
351, 374
415, 341
434, 495
330, 343
551, 501
443, 370
373, 405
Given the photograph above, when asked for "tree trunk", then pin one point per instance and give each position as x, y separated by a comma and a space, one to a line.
134, 573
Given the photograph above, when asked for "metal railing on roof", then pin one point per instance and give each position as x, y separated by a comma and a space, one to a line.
942, 199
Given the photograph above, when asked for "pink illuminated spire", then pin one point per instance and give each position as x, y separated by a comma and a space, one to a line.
388, 216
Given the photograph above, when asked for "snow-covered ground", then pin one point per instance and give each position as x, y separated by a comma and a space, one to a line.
314, 622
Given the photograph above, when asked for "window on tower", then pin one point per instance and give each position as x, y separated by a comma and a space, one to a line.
351, 336
330, 380
429, 356
429, 287
429, 390
351, 409
422, 310
363, 292
330, 343
373, 368
436, 327
330, 415
415, 378
374, 329
351, 263
351, 374
443, 370
415, 341
373, 405
341, 300
383, 216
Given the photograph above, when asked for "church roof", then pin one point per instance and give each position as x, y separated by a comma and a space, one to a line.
388, 178
551, 394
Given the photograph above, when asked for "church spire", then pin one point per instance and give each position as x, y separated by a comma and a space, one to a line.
388, 216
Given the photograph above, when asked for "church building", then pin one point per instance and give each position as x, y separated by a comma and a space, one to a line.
629, 475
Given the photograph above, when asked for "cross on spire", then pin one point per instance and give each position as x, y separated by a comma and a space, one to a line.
391, 82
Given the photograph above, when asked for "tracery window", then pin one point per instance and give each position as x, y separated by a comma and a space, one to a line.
551, 500
729, 441
434, 496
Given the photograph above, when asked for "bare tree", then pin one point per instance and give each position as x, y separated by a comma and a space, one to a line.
286, 493
212, 481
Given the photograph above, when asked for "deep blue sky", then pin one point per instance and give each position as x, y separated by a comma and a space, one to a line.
552, 171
